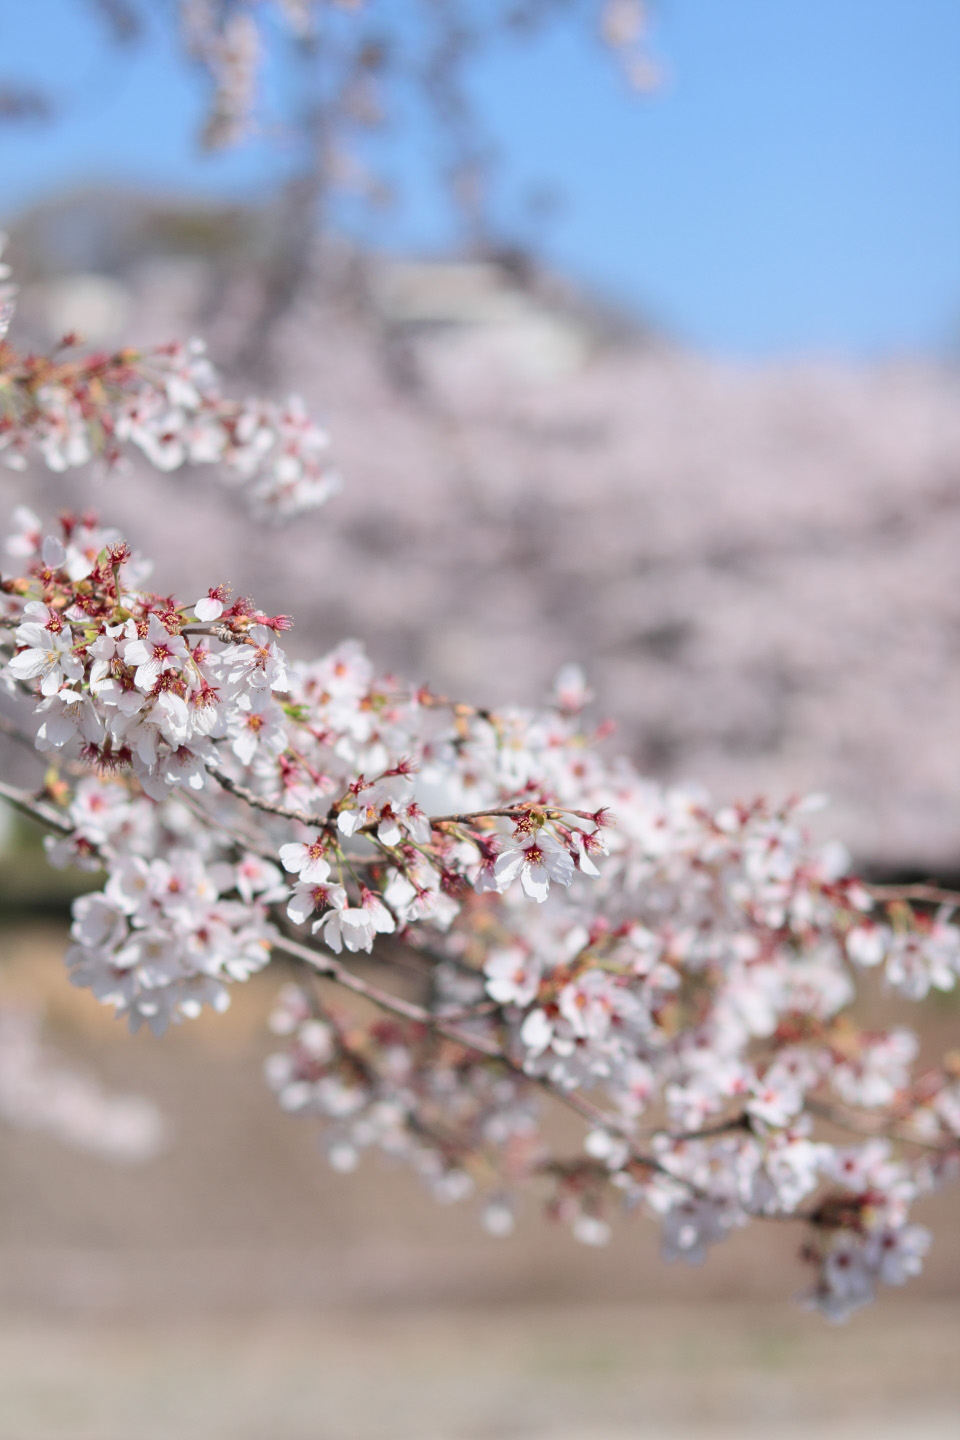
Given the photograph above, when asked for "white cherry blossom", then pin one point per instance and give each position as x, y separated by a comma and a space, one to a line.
536, 859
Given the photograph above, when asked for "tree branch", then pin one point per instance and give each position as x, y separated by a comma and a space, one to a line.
27, 804
863, 1125
585, 1109
325, 822
926, 893
12, 730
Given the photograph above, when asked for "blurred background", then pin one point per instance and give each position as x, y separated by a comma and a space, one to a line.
637, 331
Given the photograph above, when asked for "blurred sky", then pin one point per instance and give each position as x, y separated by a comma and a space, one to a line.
794, 187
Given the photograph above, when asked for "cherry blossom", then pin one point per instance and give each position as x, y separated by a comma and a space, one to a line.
684, 978
536, 859
46, 651
165, 404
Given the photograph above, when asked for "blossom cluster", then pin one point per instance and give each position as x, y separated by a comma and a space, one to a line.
555, 929
165, 404
409, 1093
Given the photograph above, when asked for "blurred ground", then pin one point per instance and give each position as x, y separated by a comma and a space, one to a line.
234, 1288
585, 1373
241, 1210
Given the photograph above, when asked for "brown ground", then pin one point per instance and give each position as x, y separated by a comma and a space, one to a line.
235, 1289
703, 1372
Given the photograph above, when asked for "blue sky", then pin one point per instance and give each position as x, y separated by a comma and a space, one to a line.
794, 188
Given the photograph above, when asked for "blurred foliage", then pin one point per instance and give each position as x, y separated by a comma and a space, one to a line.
29, 885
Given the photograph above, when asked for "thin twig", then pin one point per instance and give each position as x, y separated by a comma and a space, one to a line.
11, 729
508, 812
862, 1125
28, 804
328, 965
235, 837
270, 807
334, 970
326, 822
323, 964
924, 892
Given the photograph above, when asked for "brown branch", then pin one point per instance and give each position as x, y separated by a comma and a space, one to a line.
334, 970
926, 893
450, 1144
328, 965
269, 807
508, 812
467, 1012
741, 1122
29, 805
11, 729
235, 837
326, 822
863, 1125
